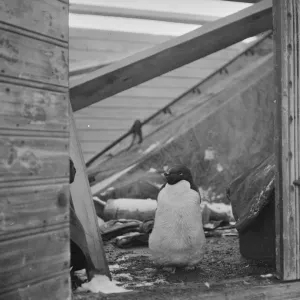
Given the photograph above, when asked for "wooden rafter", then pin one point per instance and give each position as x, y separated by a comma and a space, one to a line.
100, 10
244, 1
287, 141
170, 55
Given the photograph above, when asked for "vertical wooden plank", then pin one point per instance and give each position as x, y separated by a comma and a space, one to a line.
46, 17
83, 203
287, 65
34, 150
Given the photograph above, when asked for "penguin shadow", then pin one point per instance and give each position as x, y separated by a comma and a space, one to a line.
181, 274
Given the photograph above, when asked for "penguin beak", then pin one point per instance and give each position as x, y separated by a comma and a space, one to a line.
166, 174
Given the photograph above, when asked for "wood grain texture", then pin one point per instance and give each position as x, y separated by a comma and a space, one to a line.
26, 58
31, 207
27, 258
287, 141
127, 73
83, 203
34, 146
54, 288
31, 158
32, 109
45, 17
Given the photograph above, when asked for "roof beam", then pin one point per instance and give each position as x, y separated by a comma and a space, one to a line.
244, 1
170, 55
122, 12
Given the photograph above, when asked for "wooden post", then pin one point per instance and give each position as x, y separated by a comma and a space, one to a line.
83, 203
287, 140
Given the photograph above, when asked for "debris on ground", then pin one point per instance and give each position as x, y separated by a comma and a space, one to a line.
133, 269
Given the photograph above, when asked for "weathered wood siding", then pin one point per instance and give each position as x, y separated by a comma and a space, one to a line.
34, 149
102, 123
287, 139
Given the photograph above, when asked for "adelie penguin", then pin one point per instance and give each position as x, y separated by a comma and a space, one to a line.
177, 238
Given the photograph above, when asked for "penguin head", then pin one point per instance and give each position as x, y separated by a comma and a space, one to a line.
178, 173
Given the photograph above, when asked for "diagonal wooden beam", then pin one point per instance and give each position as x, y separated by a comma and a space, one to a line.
123, 12
170, 55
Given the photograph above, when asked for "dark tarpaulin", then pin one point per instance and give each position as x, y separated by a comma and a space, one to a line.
253, 201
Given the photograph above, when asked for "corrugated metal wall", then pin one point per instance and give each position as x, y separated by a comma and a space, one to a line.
101, 123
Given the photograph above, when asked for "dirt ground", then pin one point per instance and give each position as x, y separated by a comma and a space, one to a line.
134, 270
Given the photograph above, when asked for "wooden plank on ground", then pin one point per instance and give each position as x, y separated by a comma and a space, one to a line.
287, 141
83, 203
170, 55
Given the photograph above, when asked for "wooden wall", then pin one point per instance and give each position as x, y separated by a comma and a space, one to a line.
34, 148
102, 123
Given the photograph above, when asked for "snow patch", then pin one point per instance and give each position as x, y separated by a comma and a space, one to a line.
114, 267
209, 195
102, 284
152, 170
221, 208
209, 154
141, 284
219, 167
151, 147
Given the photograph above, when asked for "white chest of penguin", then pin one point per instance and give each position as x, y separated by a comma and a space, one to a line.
177, 237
